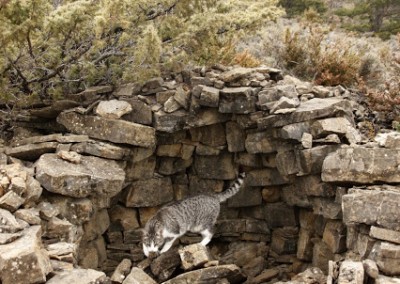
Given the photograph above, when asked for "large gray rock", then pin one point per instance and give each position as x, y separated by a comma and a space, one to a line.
309, 110
92, 176
215, 167
78, 275
24, 260
376, 206
117, 131
210, 275
362, 165
138, 276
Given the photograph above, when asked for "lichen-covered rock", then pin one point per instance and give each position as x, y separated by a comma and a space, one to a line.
113, 109
92, 176
24, 260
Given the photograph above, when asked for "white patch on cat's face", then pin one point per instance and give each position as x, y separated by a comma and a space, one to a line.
149, 249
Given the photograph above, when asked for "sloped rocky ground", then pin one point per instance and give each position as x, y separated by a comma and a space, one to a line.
81, 176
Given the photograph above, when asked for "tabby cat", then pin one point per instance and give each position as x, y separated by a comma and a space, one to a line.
196, 214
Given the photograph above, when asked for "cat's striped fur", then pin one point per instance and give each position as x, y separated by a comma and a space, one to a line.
196, 214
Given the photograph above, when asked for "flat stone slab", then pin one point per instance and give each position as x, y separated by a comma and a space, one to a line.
117, 131
91, 176
306, 111
78, 275
210, 275
32, 152
362, 165
379, 205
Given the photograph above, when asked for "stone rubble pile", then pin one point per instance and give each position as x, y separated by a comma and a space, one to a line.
82, 176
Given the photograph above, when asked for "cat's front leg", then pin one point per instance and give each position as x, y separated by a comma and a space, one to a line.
168, 245
207, 236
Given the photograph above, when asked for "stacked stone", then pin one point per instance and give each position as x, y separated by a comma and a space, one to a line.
132, 150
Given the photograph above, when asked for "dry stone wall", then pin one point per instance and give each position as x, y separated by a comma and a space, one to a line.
77, 196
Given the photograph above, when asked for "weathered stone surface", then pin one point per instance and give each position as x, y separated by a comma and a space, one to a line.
165, 264
385, 234
97, 225
285, 105
126, 217
62, 251
113, 109
312, 275
335, 236
327, 207
138, 276
305, 245
310, 161
236, 74
362, 165
237, 100
92, 176
266, 275
295, 131
372, 207
171, 105
386, 280
37, 139
213, 135
209, 97
102, 149
143, 169
284, 240
122, 270
201, 185
321, 256
247, 196
309, 110
32, 152
208, 116
371, 269
194, 256
260, 142
170, 122
387, 257
335, 125
151, 192
215, 167
47, 210
59, 229
235, 227
265, 177
78, 275
127, 90
235, 137
30, 215
210, 275
141, 112
24, 260
351, 272
277, 214
11, 201
170, 166
117, 131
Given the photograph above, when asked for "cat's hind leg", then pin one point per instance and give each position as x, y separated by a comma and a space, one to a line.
207, 236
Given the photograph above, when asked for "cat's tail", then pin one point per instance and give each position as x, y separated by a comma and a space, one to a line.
233, 189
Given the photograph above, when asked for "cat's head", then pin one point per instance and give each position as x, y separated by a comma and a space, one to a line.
152, 241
